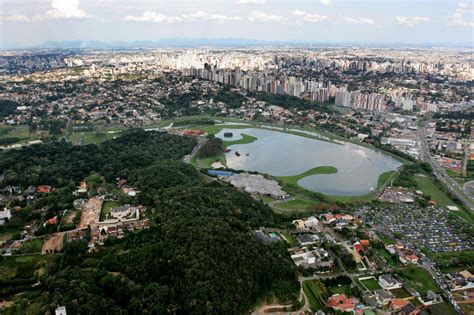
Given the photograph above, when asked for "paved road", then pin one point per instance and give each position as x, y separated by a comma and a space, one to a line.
469, 188
436, 275
264, 309
440, 172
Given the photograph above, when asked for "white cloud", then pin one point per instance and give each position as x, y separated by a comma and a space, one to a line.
359, 20
299, 12
251, 1
66, 9
201, 15
152, 16
314, 18
21, 18
309, 17
198, 16
326, 2
463, 15
411, 21
257, 16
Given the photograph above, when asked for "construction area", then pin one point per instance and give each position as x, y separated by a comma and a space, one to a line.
91, 213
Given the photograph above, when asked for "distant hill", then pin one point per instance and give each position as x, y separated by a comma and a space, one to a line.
222, 42
166, 42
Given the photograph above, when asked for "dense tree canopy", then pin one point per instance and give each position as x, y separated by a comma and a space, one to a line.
200, 255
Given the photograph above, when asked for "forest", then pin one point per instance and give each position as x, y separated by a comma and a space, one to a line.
7, 107
200, 256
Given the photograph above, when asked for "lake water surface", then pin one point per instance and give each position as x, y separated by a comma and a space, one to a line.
281, 154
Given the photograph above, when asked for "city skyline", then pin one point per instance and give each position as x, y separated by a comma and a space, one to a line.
32, 22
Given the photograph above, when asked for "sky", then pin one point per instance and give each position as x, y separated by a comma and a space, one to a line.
32, 22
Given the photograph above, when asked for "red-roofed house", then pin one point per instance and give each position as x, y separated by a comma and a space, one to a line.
411, 258
341, 302
43, 189
53, 221
397, 304
358, 247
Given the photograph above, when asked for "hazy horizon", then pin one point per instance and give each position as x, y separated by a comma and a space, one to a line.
32, 22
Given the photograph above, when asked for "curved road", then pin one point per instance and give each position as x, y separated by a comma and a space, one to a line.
264, 309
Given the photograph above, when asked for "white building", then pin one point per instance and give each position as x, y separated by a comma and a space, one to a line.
5, 215
61, 310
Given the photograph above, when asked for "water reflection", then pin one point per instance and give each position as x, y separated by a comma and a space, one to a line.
282, 154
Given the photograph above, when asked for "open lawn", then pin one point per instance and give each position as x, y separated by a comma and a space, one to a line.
456, 261
313, 293
400, 293
16, 134
206, 162
371, 284
107, 208
384, 178
245, 140
386, 240
428, 187
31, 246
341, 289
22, 267
91, 137
441, 308
290, 238
316, 170
353, 199
7, 235
418, 279
382, 252
295, 205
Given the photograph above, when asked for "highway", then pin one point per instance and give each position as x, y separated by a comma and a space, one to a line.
440, 173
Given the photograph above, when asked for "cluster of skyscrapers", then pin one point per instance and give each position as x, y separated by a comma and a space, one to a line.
291, 85
274, 82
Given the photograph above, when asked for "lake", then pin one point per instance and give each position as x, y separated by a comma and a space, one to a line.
281, 154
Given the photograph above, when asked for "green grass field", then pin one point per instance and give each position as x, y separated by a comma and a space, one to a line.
342, 289
31, 246
291, 239
316, 170
297, 205
207, 162
442, 308
312, 292
428, 187
382, 252
91, 137
16, 134
454, 261
386, 240
418, 279
384, 178
400, 293
371, 284
107, 207
23, 266
245, 140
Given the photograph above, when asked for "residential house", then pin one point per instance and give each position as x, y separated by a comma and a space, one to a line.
341, 302
307, 239
383, 296
388, 282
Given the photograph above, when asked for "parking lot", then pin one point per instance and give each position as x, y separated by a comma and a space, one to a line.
430, 228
